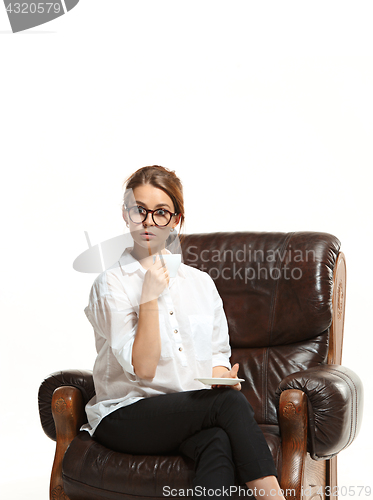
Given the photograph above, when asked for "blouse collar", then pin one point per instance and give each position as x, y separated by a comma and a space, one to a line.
129, 264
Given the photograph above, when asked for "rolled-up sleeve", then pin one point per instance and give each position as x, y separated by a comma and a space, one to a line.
115, 322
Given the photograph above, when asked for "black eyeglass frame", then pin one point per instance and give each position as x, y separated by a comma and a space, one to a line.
151, 212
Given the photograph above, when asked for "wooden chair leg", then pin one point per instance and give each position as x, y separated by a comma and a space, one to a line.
293, 425
68, 415
331, 478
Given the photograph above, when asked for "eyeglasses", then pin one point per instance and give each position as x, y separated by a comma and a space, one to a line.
161, 217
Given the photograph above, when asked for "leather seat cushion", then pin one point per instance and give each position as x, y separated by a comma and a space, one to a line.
92, 471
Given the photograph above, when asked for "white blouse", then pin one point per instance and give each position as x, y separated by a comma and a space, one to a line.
193, 330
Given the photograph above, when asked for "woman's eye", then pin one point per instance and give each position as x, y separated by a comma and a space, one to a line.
141, 210
161, 212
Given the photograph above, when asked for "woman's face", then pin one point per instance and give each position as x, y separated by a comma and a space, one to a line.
146, 234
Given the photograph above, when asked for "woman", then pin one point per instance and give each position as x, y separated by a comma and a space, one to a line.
154, 336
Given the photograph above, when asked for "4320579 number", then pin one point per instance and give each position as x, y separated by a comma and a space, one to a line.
33, 8
337, 491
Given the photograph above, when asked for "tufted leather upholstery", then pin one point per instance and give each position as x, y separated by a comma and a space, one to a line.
277, 290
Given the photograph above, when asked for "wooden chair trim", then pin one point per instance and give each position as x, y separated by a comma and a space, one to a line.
338, 314
293, 422
68, 415
336, 343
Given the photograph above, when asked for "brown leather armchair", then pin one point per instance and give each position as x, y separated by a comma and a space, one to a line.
284, 297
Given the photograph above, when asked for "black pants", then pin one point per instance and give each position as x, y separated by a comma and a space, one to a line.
214, 427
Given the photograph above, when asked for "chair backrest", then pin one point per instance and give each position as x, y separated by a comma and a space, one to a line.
277, 290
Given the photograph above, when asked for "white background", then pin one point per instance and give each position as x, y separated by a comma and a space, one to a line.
262, 106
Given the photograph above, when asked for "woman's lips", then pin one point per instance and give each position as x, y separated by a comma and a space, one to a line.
147, 235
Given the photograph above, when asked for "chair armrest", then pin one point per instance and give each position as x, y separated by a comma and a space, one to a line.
335, 407
80, 379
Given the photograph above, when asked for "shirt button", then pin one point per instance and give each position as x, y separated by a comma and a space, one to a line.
175, 331
171, 312
180, 348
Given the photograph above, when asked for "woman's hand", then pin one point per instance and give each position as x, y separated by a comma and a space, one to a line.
230, 374
155, 281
